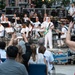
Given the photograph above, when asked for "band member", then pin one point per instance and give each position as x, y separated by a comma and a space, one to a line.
25, 18
48, 35
72, 10
1, 30
3, 17
25, 29
37, 26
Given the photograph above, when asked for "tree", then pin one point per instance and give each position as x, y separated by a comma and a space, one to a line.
2, 4
65, 2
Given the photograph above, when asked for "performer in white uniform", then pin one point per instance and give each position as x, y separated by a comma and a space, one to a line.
1, 31
48, 35
63, 32
3, 17
72, 10
9, 29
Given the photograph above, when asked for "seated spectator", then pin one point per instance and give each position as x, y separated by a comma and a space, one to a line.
1, 30
26, 49
10, 66
33, 57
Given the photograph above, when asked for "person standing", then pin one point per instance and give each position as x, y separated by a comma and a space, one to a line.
72, 11
62, 33
48, 34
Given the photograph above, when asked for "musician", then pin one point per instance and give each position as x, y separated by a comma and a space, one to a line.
25, 18
72, 10
25, 29
69, 42
15, 17
48, 35
9, 29
37, 26
64, 29
3, 17
1, 30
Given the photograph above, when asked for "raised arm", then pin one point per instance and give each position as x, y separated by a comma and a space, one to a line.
13, 40
69, 42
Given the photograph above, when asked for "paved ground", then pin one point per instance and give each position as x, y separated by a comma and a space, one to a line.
65, 69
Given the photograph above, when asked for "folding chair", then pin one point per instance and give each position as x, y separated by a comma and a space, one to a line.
37, 69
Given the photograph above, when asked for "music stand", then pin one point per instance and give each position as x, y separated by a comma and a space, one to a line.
33, 19
5, 25
19, 22
13, 20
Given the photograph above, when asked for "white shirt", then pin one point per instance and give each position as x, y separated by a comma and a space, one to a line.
25, 19
36, 24
71, 11
43, 25
23, 30
2, 53
2, 17
49, 58
64, 30
1, 30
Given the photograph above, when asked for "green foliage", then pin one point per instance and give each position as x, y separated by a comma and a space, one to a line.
2, 5
65, 2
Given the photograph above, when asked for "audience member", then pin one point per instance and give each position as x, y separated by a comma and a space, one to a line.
33, 58
37, 58
49, 60
2, 50
10, 66
1, 30
3, 17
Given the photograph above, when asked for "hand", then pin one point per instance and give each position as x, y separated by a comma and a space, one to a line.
14, 35
71, 24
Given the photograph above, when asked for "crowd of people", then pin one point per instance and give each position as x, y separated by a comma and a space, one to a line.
22, 51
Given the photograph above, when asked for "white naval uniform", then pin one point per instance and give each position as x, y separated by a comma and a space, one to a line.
49, 58
48, 36
1, 31
23, 30
71, 11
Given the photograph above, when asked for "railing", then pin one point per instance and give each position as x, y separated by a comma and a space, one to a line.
60, 12
50, 11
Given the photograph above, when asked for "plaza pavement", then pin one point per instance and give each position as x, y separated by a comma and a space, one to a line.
64, 69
